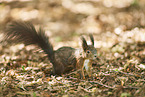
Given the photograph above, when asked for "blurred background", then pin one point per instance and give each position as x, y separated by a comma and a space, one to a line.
65, 20
118, 27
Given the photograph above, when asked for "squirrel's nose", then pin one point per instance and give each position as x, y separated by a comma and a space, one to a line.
95, 55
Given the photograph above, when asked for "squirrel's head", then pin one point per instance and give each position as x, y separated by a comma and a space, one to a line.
90, 51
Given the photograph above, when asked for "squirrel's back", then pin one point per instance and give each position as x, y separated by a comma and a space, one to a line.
65, 59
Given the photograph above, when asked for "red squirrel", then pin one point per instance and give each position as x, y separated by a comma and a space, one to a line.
63, 59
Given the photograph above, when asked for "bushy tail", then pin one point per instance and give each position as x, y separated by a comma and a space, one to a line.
25, 32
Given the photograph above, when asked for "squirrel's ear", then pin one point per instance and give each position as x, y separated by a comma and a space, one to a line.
92, 39
84, 43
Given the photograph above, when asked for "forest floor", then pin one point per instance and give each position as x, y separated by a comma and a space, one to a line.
119, 32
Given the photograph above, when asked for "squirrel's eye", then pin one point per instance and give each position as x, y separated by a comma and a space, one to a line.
88, 52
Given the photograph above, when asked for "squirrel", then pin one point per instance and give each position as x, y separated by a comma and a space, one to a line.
63, 59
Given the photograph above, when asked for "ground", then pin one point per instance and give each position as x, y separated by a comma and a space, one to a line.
118, 28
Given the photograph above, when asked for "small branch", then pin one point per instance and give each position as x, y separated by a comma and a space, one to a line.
73, 72
129, 87
101, 84
130, 74
92, 82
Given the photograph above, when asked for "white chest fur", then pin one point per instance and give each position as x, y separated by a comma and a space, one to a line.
87, 64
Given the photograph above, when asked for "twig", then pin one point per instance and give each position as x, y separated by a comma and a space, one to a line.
128, 87
124, 73
73, 72
96, 82
92, 82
